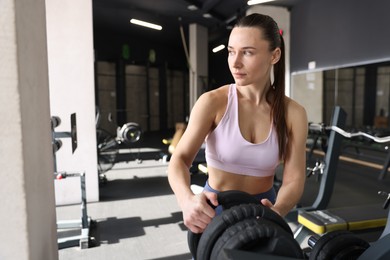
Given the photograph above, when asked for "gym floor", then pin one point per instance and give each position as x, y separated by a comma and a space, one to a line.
137, 216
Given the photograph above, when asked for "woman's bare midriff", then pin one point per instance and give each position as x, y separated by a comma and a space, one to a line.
221, 181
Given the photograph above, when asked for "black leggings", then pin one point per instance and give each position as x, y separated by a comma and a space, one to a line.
270, 195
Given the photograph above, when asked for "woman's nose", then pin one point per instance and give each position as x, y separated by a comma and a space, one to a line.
236, 61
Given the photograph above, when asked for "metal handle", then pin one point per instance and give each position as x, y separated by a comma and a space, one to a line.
320, 127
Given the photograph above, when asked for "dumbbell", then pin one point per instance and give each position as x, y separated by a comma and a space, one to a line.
244, 224
338, 244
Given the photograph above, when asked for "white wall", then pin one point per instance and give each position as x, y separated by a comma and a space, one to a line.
27, 212
282, 17
71, 78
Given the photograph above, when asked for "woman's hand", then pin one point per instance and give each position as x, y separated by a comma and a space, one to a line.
269, 204
197, 213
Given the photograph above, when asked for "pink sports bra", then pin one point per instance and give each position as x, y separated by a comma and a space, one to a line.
227, 149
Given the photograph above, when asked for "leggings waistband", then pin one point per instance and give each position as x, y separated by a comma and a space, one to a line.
270, 194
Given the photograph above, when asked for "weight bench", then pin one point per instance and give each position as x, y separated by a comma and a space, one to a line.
357, 218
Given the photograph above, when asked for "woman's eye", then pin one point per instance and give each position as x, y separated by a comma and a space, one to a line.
247, 53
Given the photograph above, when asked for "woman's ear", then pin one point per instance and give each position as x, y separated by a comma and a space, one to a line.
276, 55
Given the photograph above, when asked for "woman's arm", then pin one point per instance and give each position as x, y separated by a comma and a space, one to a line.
196, 212
294, 175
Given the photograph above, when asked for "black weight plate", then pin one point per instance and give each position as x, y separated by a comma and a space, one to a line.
227, 199
257, 235
237, 206
230, 217
337, 244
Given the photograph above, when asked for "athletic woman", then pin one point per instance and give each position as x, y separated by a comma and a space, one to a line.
249, 128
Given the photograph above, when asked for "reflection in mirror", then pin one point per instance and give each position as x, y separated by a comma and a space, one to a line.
307, 90
345, 87
382, 97
362, 91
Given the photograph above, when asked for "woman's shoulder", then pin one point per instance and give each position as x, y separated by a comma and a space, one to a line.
213, 103
293, 106
216, 96
218, 92
295, 111
210, 106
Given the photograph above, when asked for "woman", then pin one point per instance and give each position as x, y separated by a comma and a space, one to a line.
249, 128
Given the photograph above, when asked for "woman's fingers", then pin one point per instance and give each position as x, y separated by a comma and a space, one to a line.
212, 197
200, 213
267, 203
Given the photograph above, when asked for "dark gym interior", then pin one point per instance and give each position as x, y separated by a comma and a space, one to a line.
136, 108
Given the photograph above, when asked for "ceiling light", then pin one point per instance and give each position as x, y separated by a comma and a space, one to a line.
146, 24
255, 2
207, 15
192, 7
231, 19
219, 48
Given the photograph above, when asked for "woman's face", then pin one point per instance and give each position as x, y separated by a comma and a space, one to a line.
249, 56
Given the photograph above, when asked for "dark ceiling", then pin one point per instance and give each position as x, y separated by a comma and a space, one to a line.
114, 16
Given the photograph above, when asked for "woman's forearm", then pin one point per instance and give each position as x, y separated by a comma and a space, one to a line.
288, 196
179, 179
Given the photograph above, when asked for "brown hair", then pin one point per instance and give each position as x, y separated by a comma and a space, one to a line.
272, 34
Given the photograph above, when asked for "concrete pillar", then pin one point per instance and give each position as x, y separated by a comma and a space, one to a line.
71, 75
27, 212
198, 62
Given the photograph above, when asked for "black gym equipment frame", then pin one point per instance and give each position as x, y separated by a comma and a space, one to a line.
329, 172
378, 249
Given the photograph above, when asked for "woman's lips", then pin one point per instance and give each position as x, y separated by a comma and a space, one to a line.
239, 75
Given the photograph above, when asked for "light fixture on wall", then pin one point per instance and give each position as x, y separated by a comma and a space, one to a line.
255, 2
146, 24
219, 48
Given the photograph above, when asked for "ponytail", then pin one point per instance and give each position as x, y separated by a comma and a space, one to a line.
276, 93
278, 105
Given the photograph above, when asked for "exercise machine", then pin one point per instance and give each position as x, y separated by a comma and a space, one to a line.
108, 146
83, 239
327, 168
335, 231
344, 244
82, 225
